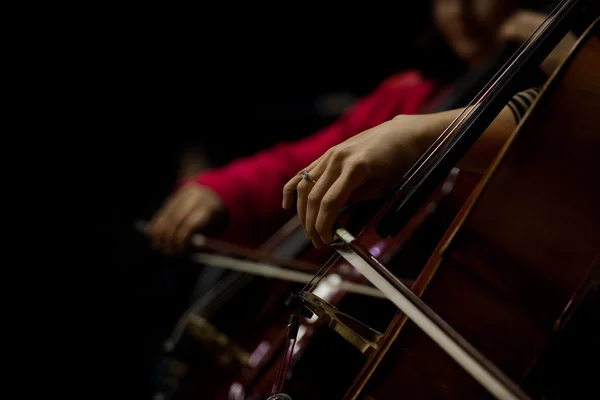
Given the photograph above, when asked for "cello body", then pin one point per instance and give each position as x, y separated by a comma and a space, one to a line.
260, 318
253, 371
235, 352
519, 257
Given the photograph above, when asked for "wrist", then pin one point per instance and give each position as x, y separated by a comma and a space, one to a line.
425, 128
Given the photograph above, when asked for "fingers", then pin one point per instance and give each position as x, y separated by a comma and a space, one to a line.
332, 202
313, 204
158, 226
318, 203
179, 218
184, 213
303, 190
195, 219
289, 190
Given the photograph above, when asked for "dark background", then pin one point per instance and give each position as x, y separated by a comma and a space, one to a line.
230, 80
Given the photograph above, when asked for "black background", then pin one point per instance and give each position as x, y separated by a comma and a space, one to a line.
232, 80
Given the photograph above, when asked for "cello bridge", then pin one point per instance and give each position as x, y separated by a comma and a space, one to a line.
361, 336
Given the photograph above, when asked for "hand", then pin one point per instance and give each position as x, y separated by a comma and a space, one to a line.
360, 168
522, 24
190, 209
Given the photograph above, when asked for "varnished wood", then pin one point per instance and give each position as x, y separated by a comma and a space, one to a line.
518, 255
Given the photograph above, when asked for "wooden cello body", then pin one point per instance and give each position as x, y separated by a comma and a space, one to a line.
519, 257
481, 290
233, 349
256, 330
257, 306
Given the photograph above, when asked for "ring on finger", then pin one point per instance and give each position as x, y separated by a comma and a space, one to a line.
305, 175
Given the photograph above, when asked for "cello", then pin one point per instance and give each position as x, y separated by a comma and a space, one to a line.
511, 269
215, 356
244, 336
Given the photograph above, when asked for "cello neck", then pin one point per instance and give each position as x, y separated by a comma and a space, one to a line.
431, 169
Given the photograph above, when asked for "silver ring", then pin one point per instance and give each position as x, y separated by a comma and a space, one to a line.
309, 178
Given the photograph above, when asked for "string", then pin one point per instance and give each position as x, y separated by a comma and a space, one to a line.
283, 366
321, 272
409, 182
290, 343
449, 136
278, 384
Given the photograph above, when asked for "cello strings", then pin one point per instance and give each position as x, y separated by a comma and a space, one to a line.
449, 135
321, 273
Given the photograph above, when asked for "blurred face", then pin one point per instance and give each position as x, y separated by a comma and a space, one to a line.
470, 26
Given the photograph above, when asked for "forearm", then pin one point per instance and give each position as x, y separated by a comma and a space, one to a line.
251, 187
483, 151
480, 156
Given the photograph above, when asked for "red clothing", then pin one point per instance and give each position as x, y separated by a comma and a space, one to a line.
252, 187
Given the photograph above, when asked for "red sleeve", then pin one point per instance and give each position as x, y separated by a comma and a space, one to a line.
251, 187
